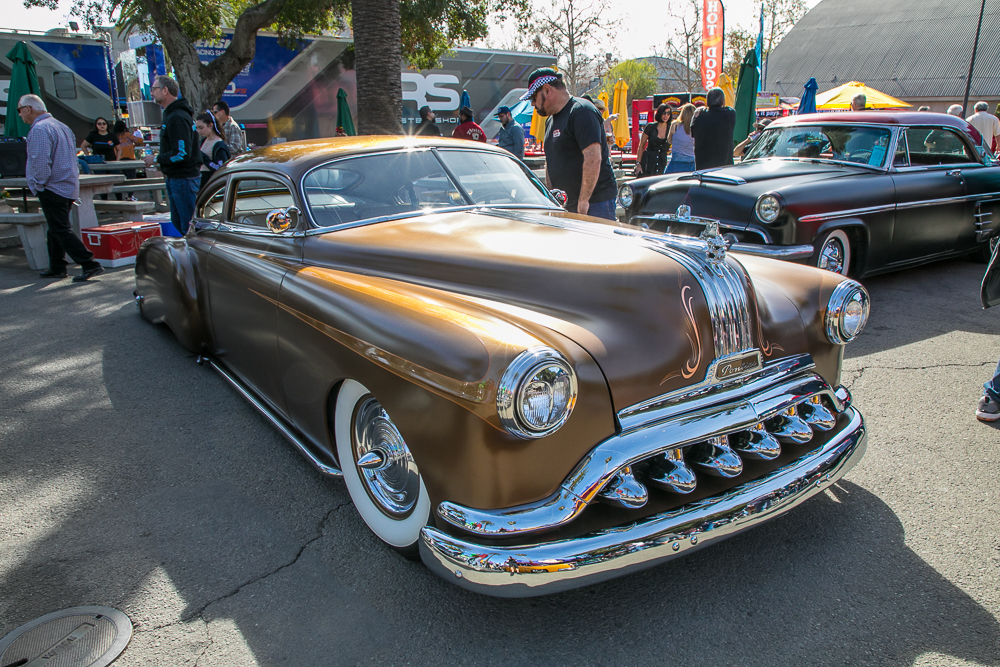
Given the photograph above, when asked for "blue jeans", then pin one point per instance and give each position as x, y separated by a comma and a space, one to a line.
182, 193
603, 209
992, 388
679, 166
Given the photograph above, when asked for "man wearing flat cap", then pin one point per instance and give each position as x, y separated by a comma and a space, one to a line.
511, 135
577, 160
468, 128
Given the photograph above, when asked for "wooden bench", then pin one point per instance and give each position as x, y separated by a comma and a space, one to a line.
32, 229
124, 208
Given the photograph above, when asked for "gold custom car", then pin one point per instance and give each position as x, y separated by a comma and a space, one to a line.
529, 400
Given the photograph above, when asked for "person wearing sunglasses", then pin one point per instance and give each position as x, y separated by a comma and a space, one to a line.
179, 158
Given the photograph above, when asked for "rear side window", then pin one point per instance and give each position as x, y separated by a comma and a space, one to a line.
254, 198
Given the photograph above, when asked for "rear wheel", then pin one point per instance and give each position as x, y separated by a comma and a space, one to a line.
380, 472
834, 252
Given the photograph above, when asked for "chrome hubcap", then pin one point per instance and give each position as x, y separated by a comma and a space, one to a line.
384, 462
831, 257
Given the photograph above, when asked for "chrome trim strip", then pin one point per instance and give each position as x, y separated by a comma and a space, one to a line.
931, 202
708, 176
787, 253
543, 568
709, 392
819, 217
277, 421
607, 459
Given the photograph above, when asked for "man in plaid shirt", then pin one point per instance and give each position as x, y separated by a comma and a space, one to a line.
55, 179
235, 139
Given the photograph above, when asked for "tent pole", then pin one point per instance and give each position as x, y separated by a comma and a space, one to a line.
972, 62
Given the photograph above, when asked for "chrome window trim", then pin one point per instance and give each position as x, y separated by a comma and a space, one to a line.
731, 410
313, 226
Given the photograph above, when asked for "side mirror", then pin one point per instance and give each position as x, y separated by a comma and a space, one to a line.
279, 220
559, 195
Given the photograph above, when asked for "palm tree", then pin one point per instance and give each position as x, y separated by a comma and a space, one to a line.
378, 61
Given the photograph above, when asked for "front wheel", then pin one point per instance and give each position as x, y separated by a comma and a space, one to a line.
834, 253
380, 472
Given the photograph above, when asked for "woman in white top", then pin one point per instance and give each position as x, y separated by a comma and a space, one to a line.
214, 151
682, 144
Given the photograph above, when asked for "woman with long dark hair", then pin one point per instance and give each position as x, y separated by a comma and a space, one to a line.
214, 151
651, 157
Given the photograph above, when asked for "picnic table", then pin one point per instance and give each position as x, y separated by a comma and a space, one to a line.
117, 165
90, 184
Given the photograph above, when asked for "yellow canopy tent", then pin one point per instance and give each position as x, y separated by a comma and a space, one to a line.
727, 87
537, 126
607, 105
620, 107
841, 96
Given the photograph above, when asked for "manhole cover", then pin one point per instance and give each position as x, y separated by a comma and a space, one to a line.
77, 637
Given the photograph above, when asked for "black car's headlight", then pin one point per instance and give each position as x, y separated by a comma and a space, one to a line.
625, 195
537, 393
768, 208
846, 312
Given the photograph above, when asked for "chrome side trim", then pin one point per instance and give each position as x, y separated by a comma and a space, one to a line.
791, 252
930, 202
543, 568
984, 221
276, 420
709, 392
820, 217
608, 458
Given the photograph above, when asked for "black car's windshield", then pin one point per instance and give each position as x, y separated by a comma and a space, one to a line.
389, 184
842, 143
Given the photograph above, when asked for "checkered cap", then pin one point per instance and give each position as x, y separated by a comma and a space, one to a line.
539, 78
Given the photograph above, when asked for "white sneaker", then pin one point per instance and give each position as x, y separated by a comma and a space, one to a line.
988, 410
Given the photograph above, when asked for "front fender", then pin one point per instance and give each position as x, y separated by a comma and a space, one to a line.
167, 282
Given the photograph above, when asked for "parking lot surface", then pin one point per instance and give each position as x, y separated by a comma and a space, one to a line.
133, 478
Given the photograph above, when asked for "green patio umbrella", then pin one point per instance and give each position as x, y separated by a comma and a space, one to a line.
746, 97
344, 119
23, 81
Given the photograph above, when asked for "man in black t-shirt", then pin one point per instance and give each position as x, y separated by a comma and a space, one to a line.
576, 155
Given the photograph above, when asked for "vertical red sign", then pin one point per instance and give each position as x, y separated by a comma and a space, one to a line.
712, 28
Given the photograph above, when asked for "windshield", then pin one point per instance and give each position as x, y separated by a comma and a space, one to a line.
388, 184
843, 143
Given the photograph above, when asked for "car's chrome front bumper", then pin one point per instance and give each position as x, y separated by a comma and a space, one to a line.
549, 567
785, 252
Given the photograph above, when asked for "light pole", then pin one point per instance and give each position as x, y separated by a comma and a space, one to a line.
972, 62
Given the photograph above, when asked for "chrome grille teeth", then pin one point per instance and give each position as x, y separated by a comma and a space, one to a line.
789, 427
625, 491
816, 414
716, 458
669, 472
756, 443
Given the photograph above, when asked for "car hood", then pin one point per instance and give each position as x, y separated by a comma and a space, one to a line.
639, 312
729, 194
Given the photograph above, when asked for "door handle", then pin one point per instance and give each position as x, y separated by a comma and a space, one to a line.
954, 172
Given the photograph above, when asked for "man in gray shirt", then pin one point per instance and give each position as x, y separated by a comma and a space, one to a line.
511, 135
54, 178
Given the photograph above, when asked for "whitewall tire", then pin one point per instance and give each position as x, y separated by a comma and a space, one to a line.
834, 252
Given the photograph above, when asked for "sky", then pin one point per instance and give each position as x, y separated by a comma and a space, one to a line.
640, 33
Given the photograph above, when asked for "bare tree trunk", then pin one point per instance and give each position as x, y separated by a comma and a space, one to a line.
377, 38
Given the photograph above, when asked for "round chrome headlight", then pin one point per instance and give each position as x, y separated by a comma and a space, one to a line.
625, 195
537, 393
768, 207
847, 312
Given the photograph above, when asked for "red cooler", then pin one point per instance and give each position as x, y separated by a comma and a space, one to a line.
117, 244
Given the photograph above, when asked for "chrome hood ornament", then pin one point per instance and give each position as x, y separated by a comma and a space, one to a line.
715, 245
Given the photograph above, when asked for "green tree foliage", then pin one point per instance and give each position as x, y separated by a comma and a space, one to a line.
737, 43
640, 77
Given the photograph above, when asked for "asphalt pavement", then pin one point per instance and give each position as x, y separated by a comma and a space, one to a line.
133, 478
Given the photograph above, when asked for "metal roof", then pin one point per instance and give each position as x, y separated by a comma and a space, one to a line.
910, 50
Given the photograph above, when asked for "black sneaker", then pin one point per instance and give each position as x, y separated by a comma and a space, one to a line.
88, 274
49, 273
988, 409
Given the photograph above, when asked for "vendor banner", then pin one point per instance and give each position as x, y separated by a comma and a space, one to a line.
712, 30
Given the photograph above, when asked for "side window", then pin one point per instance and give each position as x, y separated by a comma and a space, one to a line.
931, 146
901, 159
212, 209
254, 198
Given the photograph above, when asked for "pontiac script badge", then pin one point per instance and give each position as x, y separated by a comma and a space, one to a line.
740, 364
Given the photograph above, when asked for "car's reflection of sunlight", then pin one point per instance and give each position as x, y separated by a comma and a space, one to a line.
564, 248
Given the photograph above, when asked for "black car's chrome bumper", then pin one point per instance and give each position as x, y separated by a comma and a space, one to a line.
785, 252
543, 568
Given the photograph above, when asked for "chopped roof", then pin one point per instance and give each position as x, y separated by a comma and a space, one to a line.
910, 50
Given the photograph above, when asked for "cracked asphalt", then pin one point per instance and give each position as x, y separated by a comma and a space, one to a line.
133, 478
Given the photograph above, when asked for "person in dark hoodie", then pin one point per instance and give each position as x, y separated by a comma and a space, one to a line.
178, 158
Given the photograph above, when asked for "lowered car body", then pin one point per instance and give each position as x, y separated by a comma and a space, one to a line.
856, 193
530, 400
